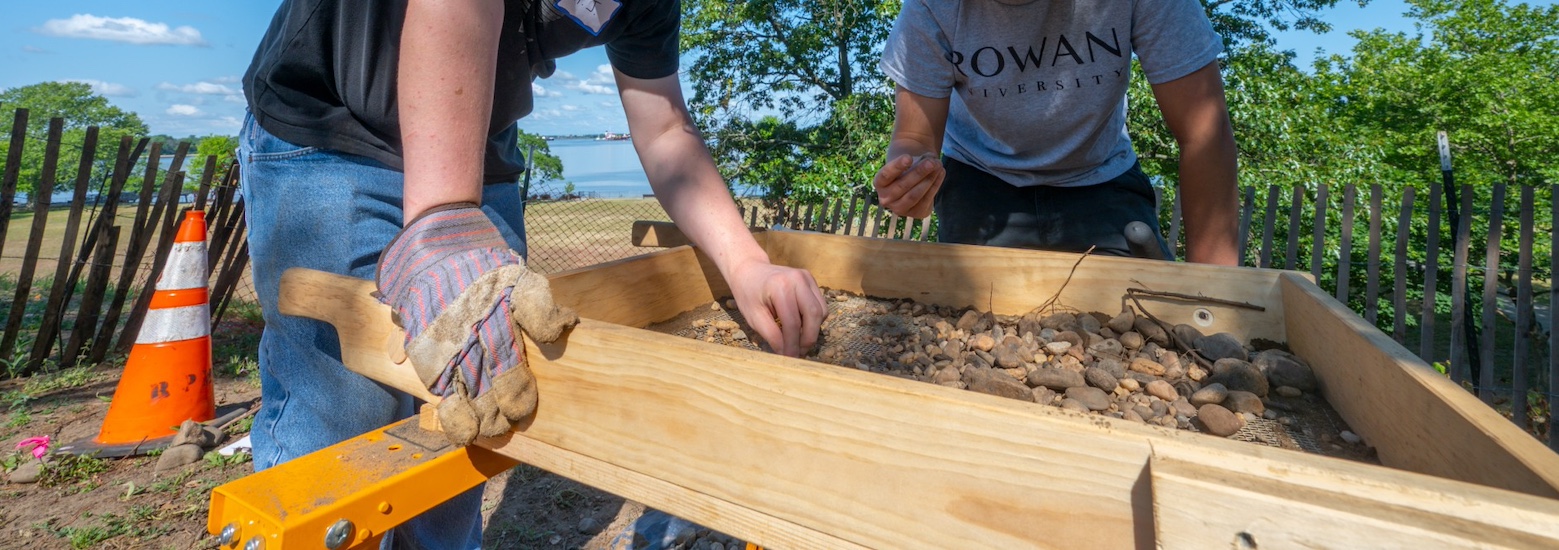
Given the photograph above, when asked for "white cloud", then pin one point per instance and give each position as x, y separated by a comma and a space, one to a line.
235, 98
184, 110
121, 29
601, 82
546, 114
108, 89
203, 88
538, 91
572, 108
34, 49
231, 79
228, 122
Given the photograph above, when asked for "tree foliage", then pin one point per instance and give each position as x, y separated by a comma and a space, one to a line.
80, 108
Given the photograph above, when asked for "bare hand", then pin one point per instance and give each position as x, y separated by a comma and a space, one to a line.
783, 304
907, 186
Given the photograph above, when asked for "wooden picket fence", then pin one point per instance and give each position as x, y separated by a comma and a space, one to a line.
106, 316
1289, 230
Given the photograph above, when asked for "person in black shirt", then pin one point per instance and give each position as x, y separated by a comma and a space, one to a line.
373, 128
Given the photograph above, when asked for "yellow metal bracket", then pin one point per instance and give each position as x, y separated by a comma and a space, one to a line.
349, 494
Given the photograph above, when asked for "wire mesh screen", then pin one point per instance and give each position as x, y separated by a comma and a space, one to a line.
568, 234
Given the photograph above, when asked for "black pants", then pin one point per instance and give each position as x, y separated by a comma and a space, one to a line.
974, 207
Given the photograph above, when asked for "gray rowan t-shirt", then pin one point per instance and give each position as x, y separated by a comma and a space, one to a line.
1038, 88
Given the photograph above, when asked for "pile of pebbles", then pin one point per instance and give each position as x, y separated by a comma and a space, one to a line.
1124, 366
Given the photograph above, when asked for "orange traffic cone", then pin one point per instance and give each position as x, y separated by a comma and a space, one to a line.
167, 378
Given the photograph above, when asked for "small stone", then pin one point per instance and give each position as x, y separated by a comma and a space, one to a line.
587, 525
1057, 379
1217, 420
982, 342
1058, 320
1166, 421
726, 324
1162, 390
177, 456
739, 335
1089, 324
1220, 346
26, 472
1042, 395
1187, 334
1115, 367
969, 320
941, 376
1242, 376
1145, 412
1099, 378
1196, 373
1151, 330
1008, 354
1122, 322
1147, 366
1183, 407
1132, 340
1074, 405
1270, 414
1108, 348
1132, 415
198, 434
700, 323
1093, 398
1211, 394
1243, 402
1288, 391
1130, 384
1069, 337
730, 303
1283, 369
1350, 437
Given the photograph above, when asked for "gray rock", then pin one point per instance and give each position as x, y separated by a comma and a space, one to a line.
1242, 377
1287, 391
195, 433
1093, 398
1151, 330
1186, 387
1159, 408
1074, 405
1350, 437
1146, 413
1058, 347
1220, 346
1058, 320
1162, 390
587, 525
1100, 378
1111, 348
177, 456
1008, 354
1226, 364
1218, 421
968, 321
1183, 407
1089, 323
1043, 395
1282, 370
26, 472
1069, 337
1057, 379
1187, 334
1132, 340
1122, 322
1211, 394
1270, 415
1115, 367
1132, 415
993, 382
1244, 402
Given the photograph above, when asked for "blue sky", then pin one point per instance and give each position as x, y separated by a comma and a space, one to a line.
177, 64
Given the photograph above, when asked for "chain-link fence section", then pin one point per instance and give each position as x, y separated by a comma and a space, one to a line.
569, 234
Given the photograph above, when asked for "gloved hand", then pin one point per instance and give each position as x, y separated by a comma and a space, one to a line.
463, 296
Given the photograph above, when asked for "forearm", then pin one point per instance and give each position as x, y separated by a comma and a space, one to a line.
448, 53
1210, 199
688, 185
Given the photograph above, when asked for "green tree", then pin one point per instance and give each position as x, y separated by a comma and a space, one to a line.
222, 147
80, 108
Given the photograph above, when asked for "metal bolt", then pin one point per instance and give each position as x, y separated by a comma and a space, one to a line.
339, 534
254, 543
229, 535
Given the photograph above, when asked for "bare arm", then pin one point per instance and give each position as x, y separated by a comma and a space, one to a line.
1197, 114
449, 49
688, 185
907, 184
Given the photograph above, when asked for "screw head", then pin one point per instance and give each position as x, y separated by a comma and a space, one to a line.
229, 535
339, 534
254, 543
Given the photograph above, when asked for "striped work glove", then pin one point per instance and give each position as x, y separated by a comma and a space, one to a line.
463, 296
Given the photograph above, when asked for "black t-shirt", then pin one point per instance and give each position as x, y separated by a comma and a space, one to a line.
325, 72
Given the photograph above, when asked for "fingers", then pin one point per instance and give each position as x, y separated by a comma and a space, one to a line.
814, 309
784, 306
789, 315
911, 187
763, 323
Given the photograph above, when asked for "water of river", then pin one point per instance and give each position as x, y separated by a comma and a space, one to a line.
600, 168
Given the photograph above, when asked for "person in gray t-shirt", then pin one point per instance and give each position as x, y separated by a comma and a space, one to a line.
1026, 103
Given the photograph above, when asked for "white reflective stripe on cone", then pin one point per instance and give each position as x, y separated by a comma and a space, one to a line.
186, 267
174, 324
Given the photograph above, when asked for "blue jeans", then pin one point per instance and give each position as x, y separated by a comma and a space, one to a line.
324, 210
